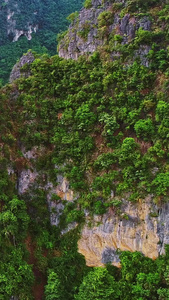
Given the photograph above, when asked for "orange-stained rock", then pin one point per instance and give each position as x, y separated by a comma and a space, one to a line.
134, 230
63, 190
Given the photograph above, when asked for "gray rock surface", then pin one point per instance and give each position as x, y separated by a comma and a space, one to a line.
143, 227
28, 179
110, 255
73, 44
16, 71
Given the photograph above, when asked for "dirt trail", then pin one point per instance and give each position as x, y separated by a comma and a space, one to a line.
40, 278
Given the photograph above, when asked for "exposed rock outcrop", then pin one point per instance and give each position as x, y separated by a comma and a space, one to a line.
72, 46
140, 227
90, 30
57, 194
17, 72
15, 33
63, 191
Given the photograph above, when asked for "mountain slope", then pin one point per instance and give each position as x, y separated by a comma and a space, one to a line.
84, 165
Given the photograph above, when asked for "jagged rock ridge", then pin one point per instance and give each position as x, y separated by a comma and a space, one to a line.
16, 71
86, 34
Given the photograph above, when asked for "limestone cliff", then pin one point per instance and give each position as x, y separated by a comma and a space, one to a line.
96, 25
84, 164
141, 227
16, 71
140, 154
14, 11
102, 25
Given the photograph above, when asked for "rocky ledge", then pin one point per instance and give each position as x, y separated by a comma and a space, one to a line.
92, 29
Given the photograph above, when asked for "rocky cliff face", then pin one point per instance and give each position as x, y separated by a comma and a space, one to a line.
84, 158
15, 27
72, 46
16, 71
15, 33
95, 26
141, 227
29, 179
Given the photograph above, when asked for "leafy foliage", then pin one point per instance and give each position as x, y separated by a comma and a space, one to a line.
98, 284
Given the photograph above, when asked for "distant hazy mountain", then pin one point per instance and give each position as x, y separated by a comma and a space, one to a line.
33, 24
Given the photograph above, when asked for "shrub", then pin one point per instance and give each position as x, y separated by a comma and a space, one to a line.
144, 129
161, 183
105, 18
88, 4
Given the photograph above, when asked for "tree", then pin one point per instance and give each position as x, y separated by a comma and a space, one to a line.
144, 129
146, 286
98, 284
53, 288
16, 275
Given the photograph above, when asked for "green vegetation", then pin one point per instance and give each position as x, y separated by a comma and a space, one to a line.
104, 125
49, 16
138, 278
88, 4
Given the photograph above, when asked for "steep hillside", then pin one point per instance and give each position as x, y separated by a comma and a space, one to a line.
84, 161
31, 25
